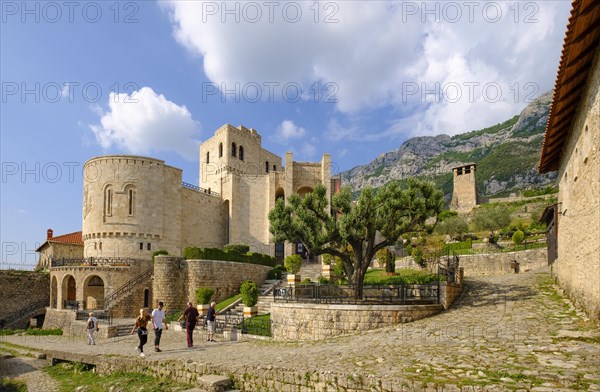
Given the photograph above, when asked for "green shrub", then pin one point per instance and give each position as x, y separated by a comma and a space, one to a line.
249, 291
195, 253
237, 248
276, 273
293, 263
446, 214
417, 255
39, 332
203, 295
306, 280
5, 332
159, 252
518, 237
323, 280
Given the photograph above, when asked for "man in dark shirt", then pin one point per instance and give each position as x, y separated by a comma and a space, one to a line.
191, 314
210, 321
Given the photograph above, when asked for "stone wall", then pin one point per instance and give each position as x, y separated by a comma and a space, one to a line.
303, 321
253, 377
578, 264
22, 288
66, 320
176, 279
202, 220
500, 263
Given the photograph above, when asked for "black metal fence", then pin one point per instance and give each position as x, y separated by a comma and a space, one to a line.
405, 294
101, 315
95, 261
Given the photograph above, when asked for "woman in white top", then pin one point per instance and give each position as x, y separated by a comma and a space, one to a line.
91, 326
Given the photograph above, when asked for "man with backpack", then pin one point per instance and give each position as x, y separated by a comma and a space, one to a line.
92, 326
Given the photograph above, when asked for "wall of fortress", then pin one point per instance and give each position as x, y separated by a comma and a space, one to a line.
20, 288
579, 212
176, 279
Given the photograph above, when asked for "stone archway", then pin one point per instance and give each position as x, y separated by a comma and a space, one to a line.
53, 292
93, 292
304, 190
68, 291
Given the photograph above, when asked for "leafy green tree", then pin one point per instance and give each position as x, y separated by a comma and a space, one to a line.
455, 226
203, 295
493, 218
348, 229
518, 237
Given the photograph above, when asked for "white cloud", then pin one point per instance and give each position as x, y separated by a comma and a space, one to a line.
378, 49
143, 122
288, 130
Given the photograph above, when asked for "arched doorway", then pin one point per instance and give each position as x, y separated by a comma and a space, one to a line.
69, 290
226, 216
304, 190
279, 194
53, 292
93, 292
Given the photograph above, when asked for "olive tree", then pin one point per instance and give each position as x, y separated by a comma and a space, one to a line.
348, 229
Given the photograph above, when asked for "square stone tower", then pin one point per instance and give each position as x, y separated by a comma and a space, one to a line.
464, 195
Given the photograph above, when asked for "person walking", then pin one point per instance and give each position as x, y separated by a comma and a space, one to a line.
211, 317
191, 315
158, 318
141, 324
91, 327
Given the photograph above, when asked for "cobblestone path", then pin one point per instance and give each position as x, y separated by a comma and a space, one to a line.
513, 331
28, 370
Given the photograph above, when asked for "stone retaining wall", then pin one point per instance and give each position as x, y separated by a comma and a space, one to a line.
20, 288
252, 377
500, 263
66, 320
304, 321
176, 279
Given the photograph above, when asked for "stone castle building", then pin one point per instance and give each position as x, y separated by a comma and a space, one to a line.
464, 194
133, 206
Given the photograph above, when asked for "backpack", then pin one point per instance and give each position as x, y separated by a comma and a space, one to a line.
90, 324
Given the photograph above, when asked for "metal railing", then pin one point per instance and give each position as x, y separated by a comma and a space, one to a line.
96, 261
404, 294
105, 316
27, 309
198, 189
127, 287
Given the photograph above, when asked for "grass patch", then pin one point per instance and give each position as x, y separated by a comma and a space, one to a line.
44, 332
402, 276
258, 325
72, 375
226, 302
9, 385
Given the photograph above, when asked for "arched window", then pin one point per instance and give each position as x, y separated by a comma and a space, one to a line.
267, 166
208, 157
274, 167
130, 191
220, 150
241, 153
108, 196
146, 298
233, 150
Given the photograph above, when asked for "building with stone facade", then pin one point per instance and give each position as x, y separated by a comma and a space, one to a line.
134, 205
69, 246
464, 193
572, 147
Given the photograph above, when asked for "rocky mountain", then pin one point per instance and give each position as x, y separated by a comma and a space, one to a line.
506, 155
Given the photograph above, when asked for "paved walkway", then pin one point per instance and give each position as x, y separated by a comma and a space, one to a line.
514, 331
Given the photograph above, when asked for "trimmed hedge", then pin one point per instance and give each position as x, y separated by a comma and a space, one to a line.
237, 248
218, 254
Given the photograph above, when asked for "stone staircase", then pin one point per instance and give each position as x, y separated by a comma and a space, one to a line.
311, 270
265, 299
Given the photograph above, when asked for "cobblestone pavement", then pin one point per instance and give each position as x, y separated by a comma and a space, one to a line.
28, 370
515, 331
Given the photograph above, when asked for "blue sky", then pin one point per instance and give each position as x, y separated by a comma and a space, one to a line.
354, 79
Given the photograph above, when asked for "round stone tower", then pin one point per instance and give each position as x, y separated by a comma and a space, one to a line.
170, 275
129, 206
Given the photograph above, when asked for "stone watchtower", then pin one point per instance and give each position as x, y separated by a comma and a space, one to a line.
464, 195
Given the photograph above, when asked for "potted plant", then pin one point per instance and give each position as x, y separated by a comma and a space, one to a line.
292, 264
249, 291
203, 296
